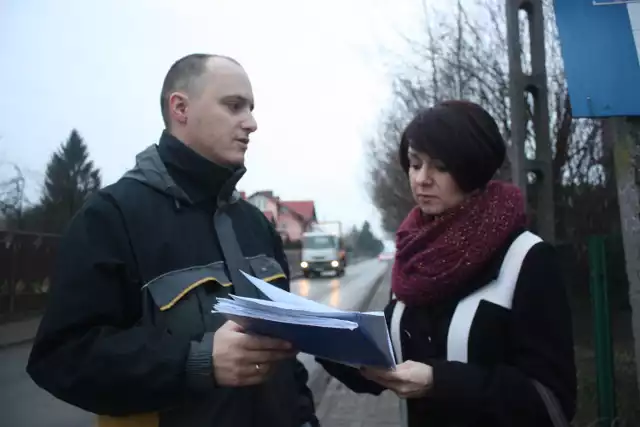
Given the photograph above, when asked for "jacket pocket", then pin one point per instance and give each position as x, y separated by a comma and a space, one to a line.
268, 269
181, 301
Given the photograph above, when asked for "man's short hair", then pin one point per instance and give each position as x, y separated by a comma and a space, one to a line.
181, 77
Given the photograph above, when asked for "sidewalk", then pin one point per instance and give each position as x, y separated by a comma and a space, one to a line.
340, 407
18, 332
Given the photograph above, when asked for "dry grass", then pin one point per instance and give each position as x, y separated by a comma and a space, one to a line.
627, 397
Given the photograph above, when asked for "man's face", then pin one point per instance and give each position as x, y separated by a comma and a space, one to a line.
218, 117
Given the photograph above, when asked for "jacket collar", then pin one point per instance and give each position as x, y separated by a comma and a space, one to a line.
197, 176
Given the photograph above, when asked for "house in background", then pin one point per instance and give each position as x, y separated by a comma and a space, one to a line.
290, 218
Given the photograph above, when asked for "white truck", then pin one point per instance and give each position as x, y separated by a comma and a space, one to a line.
323, 251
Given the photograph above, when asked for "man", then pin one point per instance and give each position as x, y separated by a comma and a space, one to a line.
129, 333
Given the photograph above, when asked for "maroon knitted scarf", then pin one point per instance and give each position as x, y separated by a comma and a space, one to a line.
438, 255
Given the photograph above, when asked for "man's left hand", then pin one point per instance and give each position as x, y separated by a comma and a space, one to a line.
409, 380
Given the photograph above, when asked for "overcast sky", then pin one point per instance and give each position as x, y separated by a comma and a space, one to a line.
317, 69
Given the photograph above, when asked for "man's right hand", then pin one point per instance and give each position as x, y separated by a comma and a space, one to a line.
240, 359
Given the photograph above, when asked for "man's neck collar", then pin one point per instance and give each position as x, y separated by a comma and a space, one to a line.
199, 177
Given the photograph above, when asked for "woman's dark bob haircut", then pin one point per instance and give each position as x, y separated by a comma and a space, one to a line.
460, 134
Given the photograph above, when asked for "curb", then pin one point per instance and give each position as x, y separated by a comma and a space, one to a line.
19, 332
16, 343
319, 382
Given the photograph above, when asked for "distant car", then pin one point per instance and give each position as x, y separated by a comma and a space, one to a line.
386, 256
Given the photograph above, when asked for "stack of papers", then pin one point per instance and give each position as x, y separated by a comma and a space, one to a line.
348, 337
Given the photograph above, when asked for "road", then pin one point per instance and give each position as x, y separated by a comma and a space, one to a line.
23, 404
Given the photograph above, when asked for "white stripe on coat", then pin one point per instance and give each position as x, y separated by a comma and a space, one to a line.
500, 292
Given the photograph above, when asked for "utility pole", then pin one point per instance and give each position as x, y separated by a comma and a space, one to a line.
624, 134
521, 84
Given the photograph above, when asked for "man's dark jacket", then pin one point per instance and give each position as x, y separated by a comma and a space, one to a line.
129, 329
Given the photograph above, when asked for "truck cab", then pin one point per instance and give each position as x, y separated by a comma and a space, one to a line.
323, 252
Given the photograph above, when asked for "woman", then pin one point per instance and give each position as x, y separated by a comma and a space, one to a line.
480, 315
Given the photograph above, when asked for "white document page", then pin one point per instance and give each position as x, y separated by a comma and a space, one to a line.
232, 308
278, 295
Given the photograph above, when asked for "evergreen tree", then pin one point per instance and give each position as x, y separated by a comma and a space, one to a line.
70, 179
367, 244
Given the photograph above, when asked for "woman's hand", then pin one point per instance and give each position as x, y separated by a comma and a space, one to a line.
410, 379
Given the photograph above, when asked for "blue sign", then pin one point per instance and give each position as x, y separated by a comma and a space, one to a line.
608, 2
601, 55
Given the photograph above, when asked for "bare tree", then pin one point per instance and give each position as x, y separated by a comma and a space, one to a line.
462, 54
12, 197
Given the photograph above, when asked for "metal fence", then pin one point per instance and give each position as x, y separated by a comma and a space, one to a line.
597, 284
26, 263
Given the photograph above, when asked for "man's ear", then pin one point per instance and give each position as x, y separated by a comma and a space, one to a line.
179, 107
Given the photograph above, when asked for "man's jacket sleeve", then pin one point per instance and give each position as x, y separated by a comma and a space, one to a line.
91, 349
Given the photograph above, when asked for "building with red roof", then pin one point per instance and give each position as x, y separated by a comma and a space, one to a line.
290, 218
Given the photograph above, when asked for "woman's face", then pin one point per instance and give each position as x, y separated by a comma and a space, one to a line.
433, 188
